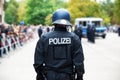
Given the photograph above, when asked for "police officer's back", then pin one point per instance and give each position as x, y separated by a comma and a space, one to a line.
57, 52
88, 32
91, 33
78, 31
40, 31
118, 31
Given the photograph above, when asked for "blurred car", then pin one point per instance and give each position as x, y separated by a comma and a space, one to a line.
100, 31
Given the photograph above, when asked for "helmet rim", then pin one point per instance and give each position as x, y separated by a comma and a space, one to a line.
62, 21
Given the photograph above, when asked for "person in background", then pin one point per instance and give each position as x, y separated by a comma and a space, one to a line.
78, 31
40, 31
118, 31
0, 40
91, 33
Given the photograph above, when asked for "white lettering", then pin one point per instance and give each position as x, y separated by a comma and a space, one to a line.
50, 40
59, 41
55, 40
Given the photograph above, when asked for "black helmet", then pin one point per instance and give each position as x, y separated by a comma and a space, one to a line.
61, 16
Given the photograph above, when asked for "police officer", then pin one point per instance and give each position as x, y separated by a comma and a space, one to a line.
59, 53
78, 31
88, 32
91, 33
118, 31
40, 31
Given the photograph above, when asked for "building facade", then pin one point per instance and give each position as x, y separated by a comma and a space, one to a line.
1, 11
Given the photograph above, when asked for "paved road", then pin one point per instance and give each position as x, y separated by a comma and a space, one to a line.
102, 60
18, 65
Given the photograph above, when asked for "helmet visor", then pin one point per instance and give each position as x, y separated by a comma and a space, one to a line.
62, 21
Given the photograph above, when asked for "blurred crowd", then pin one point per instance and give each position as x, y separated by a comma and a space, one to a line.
113, 28
13, 36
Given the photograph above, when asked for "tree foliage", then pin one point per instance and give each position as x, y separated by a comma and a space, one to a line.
48, 19
38, 10
11, 12
106, 9
83, 8
117, 12
21, 11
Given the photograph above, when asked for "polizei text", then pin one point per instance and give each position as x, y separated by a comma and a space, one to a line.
59, 41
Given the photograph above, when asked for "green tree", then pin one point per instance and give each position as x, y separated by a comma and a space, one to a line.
92, 10
37, 10
48, 19
11, 12
83, 8
106, 9
56, 4
117, 12
21, 11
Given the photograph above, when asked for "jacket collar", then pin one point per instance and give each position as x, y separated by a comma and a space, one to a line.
60, 29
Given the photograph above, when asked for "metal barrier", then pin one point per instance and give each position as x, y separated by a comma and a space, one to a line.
11, 42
